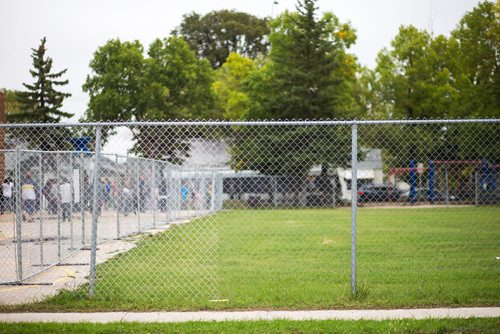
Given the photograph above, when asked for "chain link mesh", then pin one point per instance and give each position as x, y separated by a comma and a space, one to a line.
257, 214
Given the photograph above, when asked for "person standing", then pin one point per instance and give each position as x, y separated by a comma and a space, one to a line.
142, 194
163, 196
184, 195
65, 198
7, 187
28, 196
108, 199
125, 201
50, 196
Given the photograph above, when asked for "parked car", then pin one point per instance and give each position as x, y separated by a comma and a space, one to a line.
422, 195
378, 193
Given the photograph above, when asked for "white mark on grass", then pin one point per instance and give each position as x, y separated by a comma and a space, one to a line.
327, 241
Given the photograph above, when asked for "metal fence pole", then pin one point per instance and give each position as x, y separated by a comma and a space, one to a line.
212, 193
58, 184
446, 185
354, 200
40, 165
476, 189
72, 199
138, 197
117, 200
153, 192
334, 192
19, 213
95, 211
275, 191
170, 198
220, 191
83, 197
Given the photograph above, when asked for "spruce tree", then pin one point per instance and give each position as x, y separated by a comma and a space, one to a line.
302, 80
41, 102
304, 59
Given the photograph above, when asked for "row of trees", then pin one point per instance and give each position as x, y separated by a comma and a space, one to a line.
232, 65
235, 66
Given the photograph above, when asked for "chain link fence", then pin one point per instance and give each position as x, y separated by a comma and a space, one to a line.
260, 214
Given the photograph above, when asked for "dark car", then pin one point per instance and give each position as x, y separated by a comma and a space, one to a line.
378, 193
422, 195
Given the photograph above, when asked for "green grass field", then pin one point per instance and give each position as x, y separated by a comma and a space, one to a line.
300, 259
441, 326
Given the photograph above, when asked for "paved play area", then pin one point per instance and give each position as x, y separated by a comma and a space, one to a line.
74, 270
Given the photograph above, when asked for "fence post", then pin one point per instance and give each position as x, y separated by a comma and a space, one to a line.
334, 194
275, 191
170, 196
476, 189
220, 191
212, 193
354, 200
432, 194
413, 182
447, 194
19, 213
138, 196
117, 202
95, 211
153, 192
40, 165
83, 197
72, 200
58, 184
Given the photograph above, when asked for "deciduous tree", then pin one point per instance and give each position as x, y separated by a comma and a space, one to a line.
215, 35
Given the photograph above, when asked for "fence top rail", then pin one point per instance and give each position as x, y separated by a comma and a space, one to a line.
252, 123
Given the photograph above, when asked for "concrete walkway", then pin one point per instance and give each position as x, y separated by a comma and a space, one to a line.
105, 317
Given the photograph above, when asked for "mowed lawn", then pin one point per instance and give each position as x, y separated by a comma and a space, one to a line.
428, 326
300, 259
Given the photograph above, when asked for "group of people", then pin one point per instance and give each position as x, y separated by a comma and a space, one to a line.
123, 198
29, 194
58, 197
59, 194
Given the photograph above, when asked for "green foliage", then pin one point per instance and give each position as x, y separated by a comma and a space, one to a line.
215, 35
478, 42
41, 102
171, 83
291, 150
11, 102
229, 87
306, 76
308, 65
116, 85
414, 76
422, 76
178, 83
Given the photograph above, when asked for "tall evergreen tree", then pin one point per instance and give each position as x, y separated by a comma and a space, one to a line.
41, 102
304, 58
302, 79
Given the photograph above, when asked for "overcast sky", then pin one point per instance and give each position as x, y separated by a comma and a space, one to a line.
76, 28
